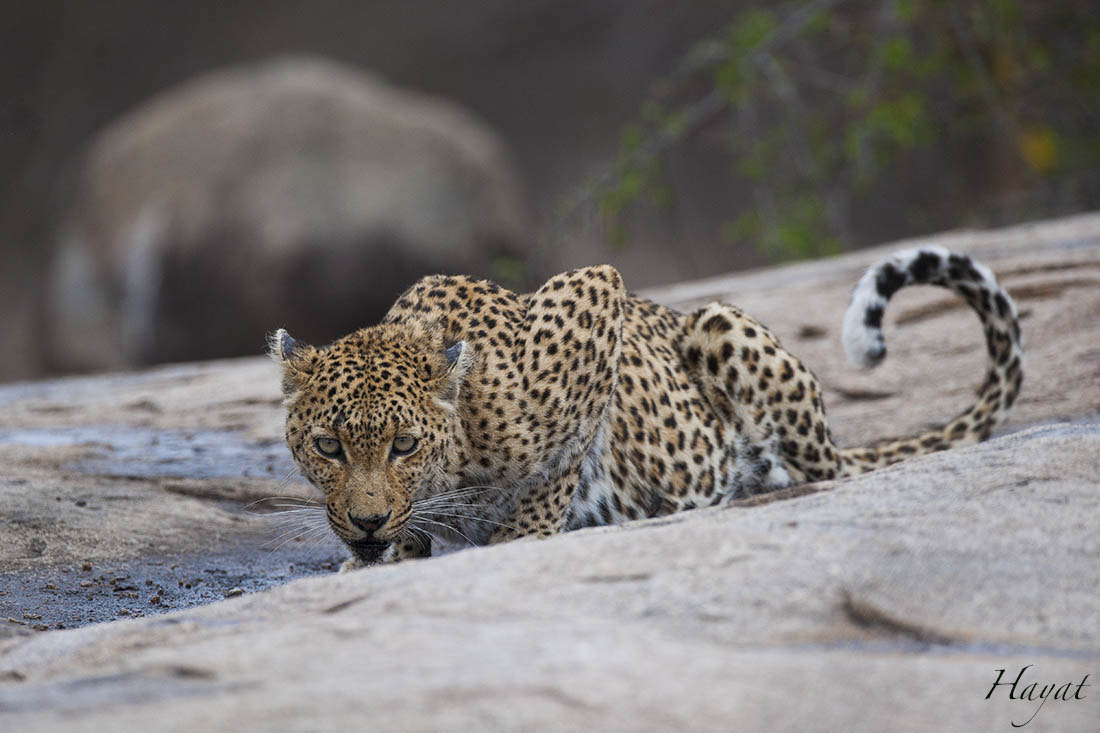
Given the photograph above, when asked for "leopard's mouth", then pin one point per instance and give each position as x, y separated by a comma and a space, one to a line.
368, 550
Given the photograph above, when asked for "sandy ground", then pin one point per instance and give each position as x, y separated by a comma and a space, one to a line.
133, 494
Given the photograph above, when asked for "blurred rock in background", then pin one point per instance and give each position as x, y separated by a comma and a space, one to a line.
294, 192
555, 79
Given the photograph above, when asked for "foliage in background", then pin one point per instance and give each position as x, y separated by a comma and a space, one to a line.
957, 106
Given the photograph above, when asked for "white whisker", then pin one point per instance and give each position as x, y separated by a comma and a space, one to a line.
290, 525
445, 526
463, 491
300, 501
293, 536
424, 534
295, 531
471, 517
300, 510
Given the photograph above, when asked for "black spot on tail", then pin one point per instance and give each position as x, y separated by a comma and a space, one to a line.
873, 317
888, 281
924, 266
961, 267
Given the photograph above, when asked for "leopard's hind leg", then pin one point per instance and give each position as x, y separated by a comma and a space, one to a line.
770, 402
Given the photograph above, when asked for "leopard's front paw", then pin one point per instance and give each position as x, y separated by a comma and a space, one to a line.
352, 563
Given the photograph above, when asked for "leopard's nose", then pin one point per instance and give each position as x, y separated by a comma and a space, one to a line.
371, 523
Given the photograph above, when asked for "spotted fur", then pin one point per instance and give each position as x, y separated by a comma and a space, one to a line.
581, 405
865, 345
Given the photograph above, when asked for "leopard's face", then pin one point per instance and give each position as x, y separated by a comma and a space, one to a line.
372, 422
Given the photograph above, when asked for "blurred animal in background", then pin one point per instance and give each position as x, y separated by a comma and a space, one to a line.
236, 199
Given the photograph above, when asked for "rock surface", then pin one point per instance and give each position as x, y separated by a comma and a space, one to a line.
296, 191
886, 602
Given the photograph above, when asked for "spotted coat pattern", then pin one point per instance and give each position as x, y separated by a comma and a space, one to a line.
478, 415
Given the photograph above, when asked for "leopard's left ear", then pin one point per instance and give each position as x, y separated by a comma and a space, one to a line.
296, 359
459, 358
444, 363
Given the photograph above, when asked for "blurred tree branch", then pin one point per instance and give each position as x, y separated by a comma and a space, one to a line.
829, 100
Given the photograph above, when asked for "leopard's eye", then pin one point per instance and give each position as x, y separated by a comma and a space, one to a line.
403, 445
329, 447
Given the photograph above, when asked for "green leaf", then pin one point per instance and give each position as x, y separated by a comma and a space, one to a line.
895, 53
745, 226
751, 29
631, 137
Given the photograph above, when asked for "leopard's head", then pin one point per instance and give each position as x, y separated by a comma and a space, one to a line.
372, 421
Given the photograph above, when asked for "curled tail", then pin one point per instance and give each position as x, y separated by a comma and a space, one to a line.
864, 344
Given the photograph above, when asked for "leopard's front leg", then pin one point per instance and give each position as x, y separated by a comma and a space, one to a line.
566, 373
541, 511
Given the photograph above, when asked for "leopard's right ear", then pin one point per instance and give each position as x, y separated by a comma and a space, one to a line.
296, 359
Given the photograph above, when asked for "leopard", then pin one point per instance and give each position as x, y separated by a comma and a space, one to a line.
474, 415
